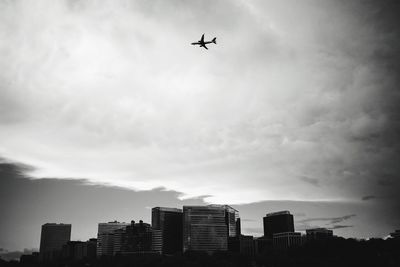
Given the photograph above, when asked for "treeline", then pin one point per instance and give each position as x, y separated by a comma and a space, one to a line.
332, 253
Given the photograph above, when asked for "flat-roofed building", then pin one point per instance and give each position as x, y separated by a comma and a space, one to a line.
286, 240
318, 234
278, 222
105, 237
208, 228
169, 222
137, 238
52, 239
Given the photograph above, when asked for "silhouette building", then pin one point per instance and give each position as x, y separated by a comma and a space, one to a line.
278, 222
74, 250
91, 248
105, 237
137, 238
208, 228
52, 239
318, 234
169, 222
79, 250
286, 240
246, 245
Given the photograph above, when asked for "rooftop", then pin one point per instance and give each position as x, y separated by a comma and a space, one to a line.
168, 209
278, 213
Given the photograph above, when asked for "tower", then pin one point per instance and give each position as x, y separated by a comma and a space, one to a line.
105, 237
208, 228
169, 222
278, 222
52, 239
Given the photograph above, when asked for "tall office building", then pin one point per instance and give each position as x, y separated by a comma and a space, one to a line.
137, 238
208, 228
156, 241
232, 220
169, 222
105, 237
278, 222
52, 239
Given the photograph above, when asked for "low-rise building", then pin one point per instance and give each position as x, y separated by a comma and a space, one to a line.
286, 240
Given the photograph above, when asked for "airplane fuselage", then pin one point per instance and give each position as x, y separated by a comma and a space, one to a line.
203, 43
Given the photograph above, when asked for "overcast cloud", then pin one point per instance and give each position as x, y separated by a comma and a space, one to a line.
297, 101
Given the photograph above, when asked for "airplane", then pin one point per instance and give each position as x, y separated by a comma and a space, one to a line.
201, 43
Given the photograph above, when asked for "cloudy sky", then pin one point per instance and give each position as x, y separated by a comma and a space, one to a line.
106, 103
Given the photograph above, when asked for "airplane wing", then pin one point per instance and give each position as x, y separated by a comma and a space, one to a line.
202, 38
205, 47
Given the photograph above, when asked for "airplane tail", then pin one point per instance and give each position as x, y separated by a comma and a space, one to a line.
214, 40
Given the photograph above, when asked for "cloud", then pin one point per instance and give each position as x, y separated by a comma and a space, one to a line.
368, 197
253, 231
341, 226
114, 94
330, 220
309, 180
247, 220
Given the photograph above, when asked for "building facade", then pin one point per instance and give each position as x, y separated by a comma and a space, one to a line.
74, 250
169, 222
137, 238
318, 234
208, 228
247, 245
105, 237
278, 222
53, 237
286, 240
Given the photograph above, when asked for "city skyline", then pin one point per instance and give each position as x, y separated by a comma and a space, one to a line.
107, 110
121, 203
202, 228
209, 229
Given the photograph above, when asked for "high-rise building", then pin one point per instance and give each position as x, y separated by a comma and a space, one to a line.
156, 241
169, 222
208, 228
137, 238
278, 222
105, 237
232, 220
52, 239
